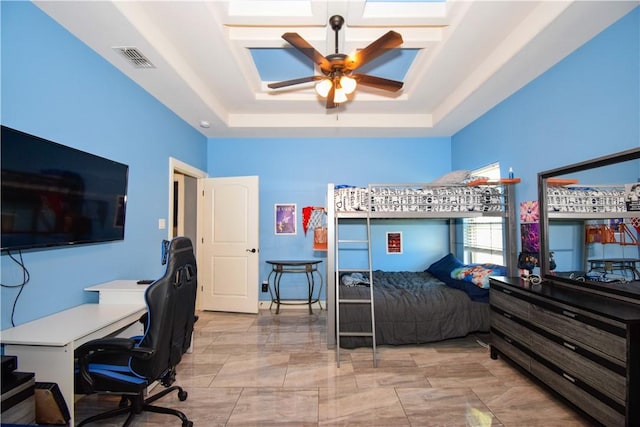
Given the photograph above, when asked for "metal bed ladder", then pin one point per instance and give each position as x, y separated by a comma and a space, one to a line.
355, 244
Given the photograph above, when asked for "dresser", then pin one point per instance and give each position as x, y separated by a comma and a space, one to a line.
582, 346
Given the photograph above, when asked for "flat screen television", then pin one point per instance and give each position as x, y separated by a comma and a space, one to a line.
54, 195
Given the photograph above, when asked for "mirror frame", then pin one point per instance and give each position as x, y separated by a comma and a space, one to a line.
545, 274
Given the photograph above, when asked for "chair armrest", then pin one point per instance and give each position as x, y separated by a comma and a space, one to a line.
119, 345
107, 346
102, 346
143, 353
99, 347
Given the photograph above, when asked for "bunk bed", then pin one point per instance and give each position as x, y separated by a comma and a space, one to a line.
412, 307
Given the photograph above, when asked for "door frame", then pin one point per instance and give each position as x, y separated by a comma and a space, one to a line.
183, 168
176, 165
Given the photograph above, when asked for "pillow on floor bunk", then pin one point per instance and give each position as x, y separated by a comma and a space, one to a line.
444, 266
478, 274
442, 270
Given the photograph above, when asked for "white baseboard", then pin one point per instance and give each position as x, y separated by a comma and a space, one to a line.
287, 304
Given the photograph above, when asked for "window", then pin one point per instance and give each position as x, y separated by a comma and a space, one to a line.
483, 239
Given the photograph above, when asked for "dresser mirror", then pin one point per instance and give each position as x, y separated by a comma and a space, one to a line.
590, 224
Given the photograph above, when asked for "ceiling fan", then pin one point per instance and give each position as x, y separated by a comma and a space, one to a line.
338, 78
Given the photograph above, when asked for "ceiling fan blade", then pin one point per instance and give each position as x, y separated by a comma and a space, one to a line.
309, 51
378, 82
331, 97
285, 83
382, 45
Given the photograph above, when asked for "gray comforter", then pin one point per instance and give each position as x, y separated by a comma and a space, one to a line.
410, 308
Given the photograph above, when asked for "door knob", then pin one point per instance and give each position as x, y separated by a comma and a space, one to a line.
252, 250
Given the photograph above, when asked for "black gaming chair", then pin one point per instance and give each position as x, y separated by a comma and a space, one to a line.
127, 366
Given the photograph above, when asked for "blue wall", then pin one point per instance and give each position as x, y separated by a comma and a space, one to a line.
55, 87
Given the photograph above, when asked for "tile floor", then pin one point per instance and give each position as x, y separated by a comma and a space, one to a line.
276, 370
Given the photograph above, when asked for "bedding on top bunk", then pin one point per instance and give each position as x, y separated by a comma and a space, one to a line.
449, 193
419, 199
410, 308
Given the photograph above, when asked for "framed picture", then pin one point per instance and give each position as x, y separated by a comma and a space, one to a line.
530, 237
529, 211
394, 242
285, 215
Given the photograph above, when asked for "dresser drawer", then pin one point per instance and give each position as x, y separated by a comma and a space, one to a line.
505, 346
505, 323
567, 356
509, 301
565, 385
564, 324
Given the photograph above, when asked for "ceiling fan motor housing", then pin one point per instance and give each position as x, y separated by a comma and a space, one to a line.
336, 64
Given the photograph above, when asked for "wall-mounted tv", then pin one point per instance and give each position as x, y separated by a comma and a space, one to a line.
54, 195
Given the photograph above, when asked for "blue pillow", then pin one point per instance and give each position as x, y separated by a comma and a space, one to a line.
442, 270
444, 266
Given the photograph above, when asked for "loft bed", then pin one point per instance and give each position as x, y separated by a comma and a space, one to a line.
416, 307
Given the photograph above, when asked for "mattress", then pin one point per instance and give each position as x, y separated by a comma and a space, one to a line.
410, 308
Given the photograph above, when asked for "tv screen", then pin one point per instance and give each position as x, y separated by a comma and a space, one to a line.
55, 195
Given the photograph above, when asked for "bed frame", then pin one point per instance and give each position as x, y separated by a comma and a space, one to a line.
425, 201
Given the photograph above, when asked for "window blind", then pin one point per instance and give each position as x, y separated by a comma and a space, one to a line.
483, 237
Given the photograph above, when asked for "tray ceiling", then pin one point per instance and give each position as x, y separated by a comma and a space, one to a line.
211, 61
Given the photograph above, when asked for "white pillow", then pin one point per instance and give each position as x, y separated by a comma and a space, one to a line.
454, 177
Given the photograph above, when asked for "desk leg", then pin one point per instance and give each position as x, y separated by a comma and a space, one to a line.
310, 283
50, 364
276, 288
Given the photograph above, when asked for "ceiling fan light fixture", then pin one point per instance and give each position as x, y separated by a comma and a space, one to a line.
323, 87
340, 96
348, 84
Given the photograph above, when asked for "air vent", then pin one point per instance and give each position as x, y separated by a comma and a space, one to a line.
135, 57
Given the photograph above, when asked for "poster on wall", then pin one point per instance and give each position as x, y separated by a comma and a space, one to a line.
285, 215
530, 235
394, 242
529, 211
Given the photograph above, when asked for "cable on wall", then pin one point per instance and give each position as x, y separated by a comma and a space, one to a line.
25, 279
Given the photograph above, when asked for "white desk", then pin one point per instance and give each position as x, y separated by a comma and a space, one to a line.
119, 292
46, 345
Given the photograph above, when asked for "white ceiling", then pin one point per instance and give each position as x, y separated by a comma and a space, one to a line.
473, 54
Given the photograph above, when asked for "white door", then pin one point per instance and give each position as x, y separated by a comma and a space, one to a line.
228, 258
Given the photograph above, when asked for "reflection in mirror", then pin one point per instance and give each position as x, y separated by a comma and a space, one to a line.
589, 229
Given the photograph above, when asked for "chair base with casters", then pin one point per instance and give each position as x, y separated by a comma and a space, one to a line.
136, 404
132, 400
